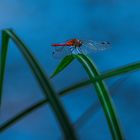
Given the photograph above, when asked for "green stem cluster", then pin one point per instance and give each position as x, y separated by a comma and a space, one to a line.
51, 96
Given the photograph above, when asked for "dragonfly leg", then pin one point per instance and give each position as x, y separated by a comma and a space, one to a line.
72, 49
80, 50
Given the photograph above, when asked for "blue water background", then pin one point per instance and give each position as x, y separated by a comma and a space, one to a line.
41, 23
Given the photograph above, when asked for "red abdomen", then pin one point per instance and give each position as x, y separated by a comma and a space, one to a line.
55, 45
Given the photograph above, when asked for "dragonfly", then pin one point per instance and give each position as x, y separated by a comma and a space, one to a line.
77, 46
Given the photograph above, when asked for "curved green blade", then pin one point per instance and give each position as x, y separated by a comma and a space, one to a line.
3, 55
63, 64
43, 81
103, 95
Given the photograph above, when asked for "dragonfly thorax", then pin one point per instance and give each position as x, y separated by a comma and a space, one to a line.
76, 43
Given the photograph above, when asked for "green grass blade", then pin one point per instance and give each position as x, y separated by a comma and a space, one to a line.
5, 39
111, 73
92, 110
45, 86
22, 114
64, 63
36, 106
103, 76
104, 97
120, 70
114, 72
66, 91
74, 87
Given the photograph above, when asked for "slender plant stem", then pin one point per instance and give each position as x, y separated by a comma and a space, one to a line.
96, 105
104, 97
24, 113
129, 68
104, 76
66, 91
5, 39
119, 71
45, 85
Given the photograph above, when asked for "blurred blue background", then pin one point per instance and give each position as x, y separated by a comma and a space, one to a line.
41, 23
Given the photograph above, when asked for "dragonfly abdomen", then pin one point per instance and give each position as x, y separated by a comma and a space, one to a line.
56, 45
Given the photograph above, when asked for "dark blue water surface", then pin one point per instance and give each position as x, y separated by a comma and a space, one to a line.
41, 23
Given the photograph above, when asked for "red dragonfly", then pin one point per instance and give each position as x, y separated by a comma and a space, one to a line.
76, 46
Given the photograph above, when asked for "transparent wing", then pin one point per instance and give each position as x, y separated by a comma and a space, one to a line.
60, 52
94, 46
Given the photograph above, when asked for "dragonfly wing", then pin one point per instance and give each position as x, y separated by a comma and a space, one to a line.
95, 46
58, 48
60, 52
